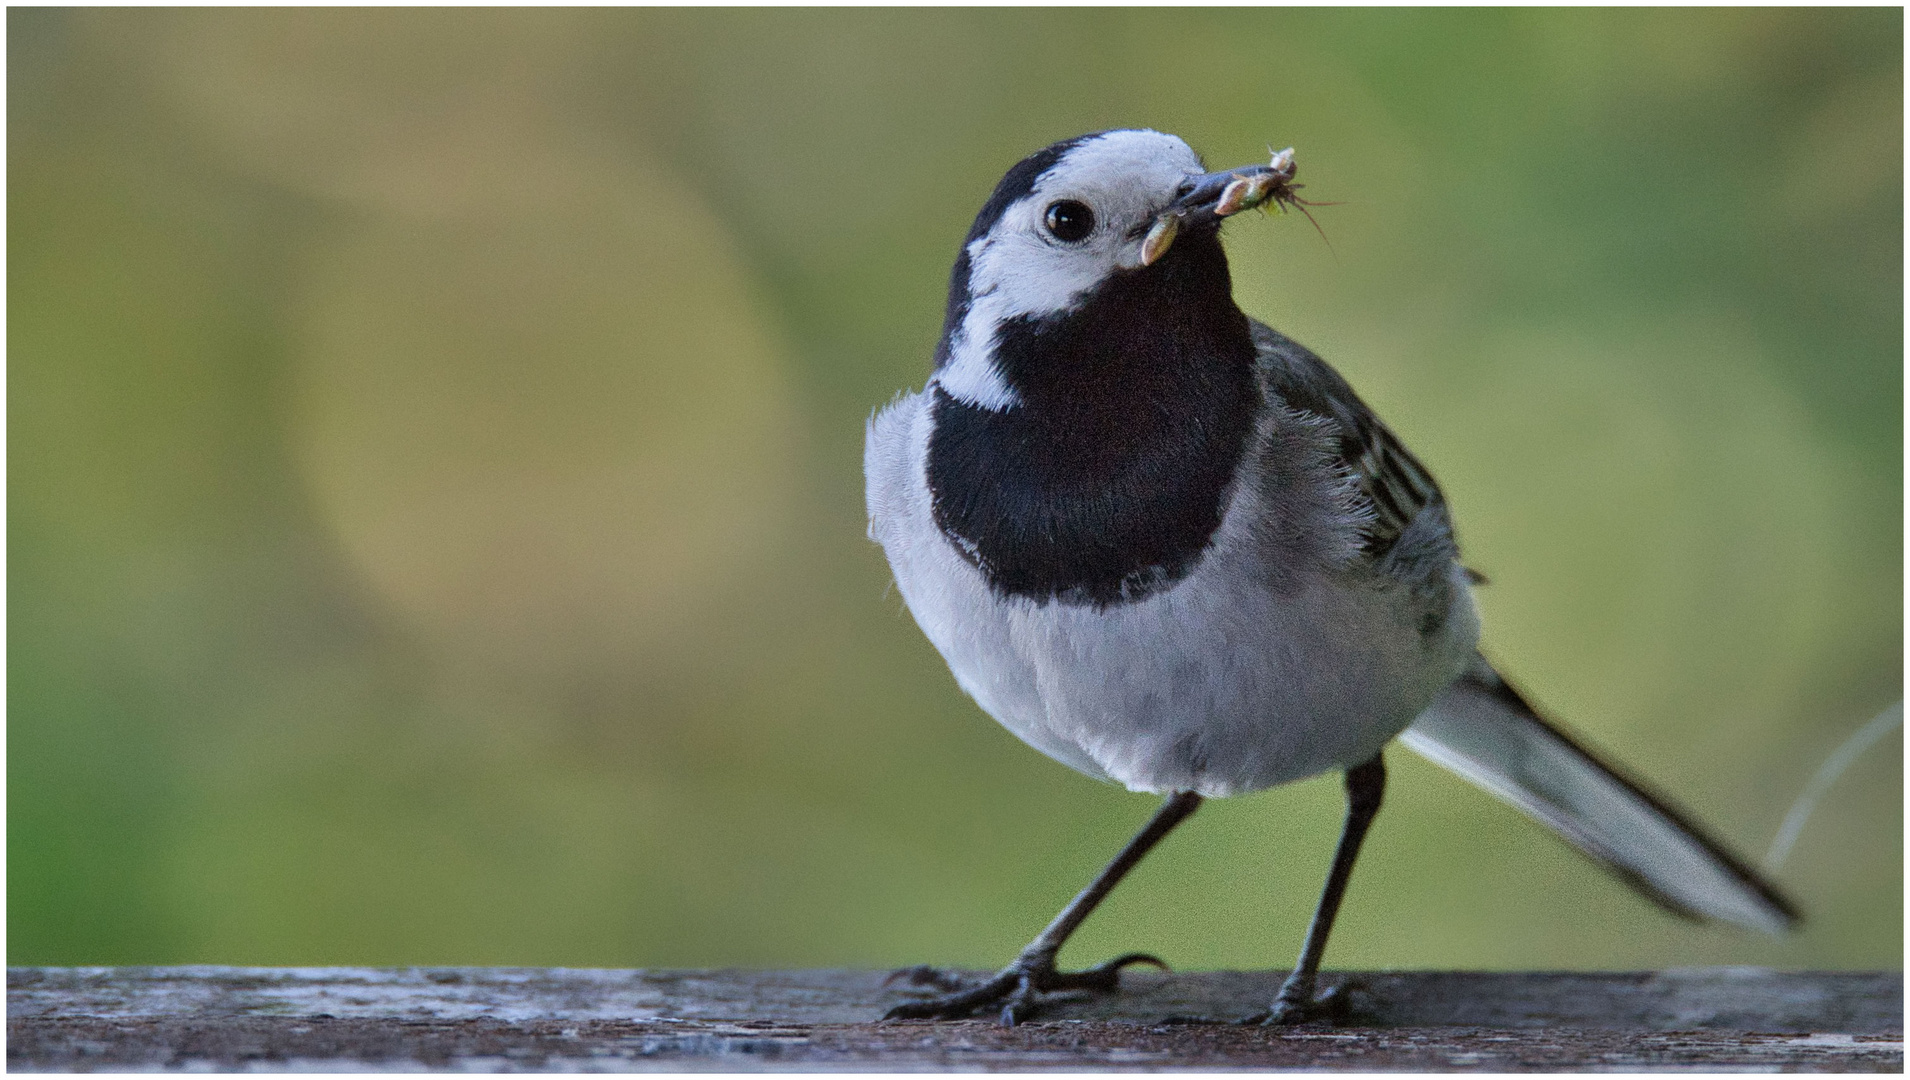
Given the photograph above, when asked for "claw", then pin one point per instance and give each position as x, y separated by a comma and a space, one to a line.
1133, 958
1106, 976
1333, 1007
953, 1006
1020, 1004
1285, 1014
1018, 987
1290, 1009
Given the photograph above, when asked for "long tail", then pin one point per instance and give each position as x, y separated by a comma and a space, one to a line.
1481, 728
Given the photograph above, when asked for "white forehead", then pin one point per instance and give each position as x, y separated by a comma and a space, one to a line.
1121, 172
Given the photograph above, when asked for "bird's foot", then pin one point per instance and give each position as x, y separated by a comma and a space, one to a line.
1017, 987
1297, 1005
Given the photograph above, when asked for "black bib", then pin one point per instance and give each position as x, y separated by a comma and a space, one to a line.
1106, 481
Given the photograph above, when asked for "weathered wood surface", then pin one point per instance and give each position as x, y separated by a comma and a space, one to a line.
601, 1020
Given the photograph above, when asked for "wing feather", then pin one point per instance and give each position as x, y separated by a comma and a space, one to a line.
1390, 479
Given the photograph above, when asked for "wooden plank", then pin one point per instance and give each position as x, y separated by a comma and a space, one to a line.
503, 1018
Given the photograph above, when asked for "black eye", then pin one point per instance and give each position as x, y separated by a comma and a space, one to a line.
1069, 220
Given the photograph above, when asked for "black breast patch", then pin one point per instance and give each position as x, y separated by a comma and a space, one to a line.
1107, 480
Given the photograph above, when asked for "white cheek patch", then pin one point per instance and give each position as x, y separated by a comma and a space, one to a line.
1017, 270
1126, 177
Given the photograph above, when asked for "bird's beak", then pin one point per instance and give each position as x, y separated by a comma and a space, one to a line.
1206, 199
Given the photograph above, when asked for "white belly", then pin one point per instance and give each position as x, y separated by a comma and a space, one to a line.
1222, 684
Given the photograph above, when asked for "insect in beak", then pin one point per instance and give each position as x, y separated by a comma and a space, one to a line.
1160, 237
1215, 196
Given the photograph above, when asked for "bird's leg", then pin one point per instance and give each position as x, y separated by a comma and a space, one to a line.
1018, 985
1365, 786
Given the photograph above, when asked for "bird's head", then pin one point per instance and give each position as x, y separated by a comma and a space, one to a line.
1130, 209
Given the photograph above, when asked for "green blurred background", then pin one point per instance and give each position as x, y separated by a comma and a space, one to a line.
435, 521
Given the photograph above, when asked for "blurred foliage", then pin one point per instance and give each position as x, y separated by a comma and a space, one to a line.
435, 521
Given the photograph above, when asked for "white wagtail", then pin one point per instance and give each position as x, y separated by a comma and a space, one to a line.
1171, 548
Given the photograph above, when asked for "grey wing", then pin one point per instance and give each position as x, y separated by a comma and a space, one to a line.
1479, 727
1407, 531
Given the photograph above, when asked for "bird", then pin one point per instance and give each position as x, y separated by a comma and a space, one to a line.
1171, 548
